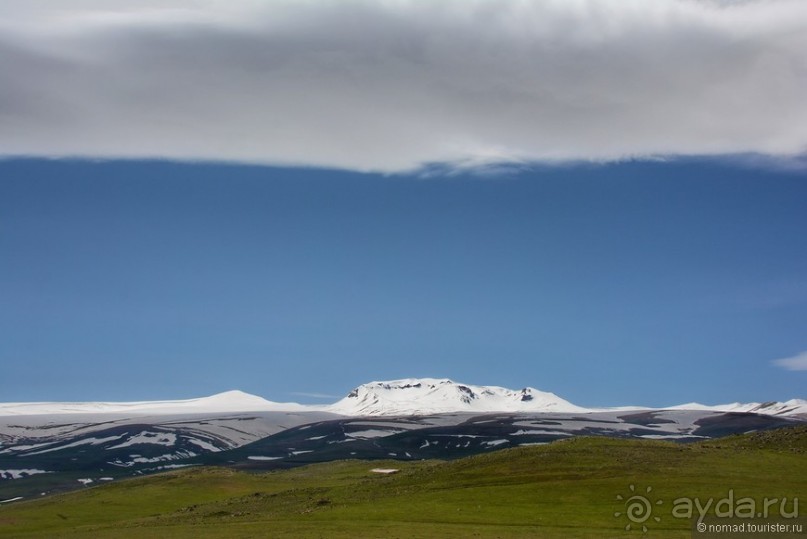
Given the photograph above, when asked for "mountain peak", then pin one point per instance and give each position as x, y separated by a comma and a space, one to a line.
228, 401
235, 395
424, 396
237, 400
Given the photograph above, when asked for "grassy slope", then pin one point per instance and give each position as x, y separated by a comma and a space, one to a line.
565, 489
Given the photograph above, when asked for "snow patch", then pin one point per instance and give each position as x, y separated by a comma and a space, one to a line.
494, 443
669, 436
204, 445
179, 455
173, 466
372, 433
86, 441
156, 438
19, 474
523, 432
24, 447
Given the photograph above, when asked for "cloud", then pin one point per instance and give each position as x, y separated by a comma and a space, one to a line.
795, 363
395, 85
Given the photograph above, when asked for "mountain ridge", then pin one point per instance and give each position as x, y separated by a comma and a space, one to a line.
227, 401
407, 396
423, 396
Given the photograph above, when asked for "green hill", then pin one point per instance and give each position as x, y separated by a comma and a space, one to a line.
563, 489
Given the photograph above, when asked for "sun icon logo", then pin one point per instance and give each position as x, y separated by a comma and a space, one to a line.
638, 508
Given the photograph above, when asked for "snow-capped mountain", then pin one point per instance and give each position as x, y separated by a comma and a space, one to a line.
229, 401
44, 445
424, 396
787, 408
410, 396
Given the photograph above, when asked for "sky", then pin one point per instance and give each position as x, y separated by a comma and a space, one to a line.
606, 199
632, 283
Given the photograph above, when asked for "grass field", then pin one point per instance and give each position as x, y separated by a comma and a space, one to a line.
564, 489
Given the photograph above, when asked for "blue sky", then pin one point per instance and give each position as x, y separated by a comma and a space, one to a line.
600, 198
649, 283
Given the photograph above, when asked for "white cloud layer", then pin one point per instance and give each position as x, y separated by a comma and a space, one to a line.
795, 363
390, 85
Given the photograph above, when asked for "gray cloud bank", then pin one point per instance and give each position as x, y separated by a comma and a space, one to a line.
392, 85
